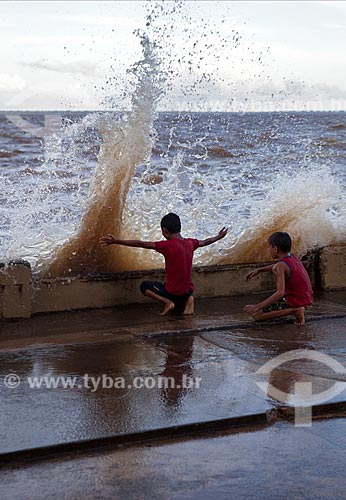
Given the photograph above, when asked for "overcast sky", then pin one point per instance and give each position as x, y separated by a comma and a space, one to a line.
290, 55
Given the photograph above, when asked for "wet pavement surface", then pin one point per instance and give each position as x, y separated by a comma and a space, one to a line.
53, 416
212, 358
279, 461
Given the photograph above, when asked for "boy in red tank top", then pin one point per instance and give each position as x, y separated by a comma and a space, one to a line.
293, 287
176, 292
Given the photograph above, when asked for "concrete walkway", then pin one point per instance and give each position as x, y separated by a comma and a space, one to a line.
217, 352
275, 461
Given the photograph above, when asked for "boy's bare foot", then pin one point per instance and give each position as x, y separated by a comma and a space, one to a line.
167, 307
300, 316
190, 305
257, 315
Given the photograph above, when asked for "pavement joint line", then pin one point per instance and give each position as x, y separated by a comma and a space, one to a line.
244, 325
140, 437
51, 345
169, 333
65, 344
196, 429
322, 410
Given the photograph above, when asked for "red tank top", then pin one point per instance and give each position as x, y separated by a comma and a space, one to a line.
298, 290
178, 254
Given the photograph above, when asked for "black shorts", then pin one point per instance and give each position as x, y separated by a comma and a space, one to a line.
159, 288
279, 305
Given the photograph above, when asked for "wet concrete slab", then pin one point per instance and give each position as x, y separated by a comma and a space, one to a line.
278, 461
144, 320
82, 326
220, 346
335, 296
40, 417
261, 343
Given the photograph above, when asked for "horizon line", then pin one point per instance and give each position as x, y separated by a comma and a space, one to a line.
10, 111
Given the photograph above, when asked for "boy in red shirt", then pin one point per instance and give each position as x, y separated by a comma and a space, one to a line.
293, 287
177, 291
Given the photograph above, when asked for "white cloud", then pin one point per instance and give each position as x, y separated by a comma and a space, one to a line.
280, 42
11, 83
82, 67
335, 26
21, 39
124, 22
45, 96
338, 4
329, 91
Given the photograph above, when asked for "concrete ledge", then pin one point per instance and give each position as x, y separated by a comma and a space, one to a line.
333, 267
20, 296
92, 292
107, 290
134, 438
243, 423
15, 290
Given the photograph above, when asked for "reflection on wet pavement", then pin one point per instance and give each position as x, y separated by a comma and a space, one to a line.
36, 417
225, 360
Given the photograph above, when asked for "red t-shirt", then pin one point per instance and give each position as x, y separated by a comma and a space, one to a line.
298, 290
178, 254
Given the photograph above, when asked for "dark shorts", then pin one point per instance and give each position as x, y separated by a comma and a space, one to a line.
159, 288
279, 305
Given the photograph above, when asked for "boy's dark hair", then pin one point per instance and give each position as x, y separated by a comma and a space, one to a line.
281, 240
171, 222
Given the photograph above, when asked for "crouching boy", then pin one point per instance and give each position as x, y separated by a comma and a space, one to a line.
176, 292
293, 287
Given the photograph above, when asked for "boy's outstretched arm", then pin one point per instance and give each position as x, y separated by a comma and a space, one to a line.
112, 240
255, 272
209, 241
280, 290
